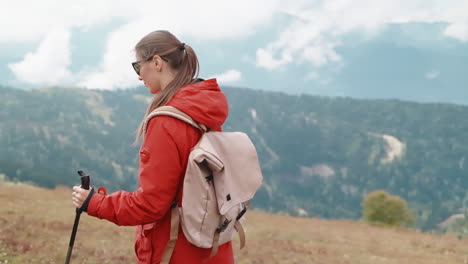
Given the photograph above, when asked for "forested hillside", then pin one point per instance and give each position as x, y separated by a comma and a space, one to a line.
319, 155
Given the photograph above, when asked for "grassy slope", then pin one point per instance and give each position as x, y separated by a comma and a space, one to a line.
35, 226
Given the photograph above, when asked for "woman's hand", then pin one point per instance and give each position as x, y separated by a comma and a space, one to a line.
79, 196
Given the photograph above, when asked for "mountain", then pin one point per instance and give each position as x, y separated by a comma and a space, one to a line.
319, 155
28, 235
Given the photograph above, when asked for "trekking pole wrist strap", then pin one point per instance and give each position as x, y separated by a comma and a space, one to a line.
84, 207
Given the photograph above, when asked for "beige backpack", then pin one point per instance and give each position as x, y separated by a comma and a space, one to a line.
222, 176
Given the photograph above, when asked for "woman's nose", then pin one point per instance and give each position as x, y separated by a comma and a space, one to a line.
139, 78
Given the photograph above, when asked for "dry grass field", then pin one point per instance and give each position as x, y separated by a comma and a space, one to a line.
35, 226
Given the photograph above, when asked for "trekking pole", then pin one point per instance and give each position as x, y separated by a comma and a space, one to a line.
85, 185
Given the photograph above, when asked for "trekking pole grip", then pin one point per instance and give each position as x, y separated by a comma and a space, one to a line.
85, 181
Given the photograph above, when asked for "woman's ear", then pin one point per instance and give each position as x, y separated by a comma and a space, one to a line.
157, 63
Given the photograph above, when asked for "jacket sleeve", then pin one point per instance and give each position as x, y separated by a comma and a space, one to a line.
163, 158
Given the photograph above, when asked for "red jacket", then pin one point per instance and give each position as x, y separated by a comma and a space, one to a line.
163, 160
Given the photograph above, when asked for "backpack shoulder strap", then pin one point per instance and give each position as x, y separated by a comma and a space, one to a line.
175, 221
176, 113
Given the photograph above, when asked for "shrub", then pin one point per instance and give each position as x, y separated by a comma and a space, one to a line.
380, 207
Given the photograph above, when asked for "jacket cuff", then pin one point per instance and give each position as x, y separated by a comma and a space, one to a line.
94, 204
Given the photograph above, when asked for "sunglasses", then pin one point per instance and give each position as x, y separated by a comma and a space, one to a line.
137, 64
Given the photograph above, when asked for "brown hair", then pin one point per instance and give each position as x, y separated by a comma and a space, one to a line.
181, 58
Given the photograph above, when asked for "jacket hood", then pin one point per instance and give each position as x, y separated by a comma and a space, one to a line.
204, 102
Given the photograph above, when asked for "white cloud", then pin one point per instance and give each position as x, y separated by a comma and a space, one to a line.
114, 70
317, 30
49, 63
458, 30
432, 75
229, 76
321, 54
206, 18
26, 20
312, 36
265, 59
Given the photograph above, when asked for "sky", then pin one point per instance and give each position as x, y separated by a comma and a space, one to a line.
401, 49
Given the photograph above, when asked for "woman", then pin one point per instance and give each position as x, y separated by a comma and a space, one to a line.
169, 69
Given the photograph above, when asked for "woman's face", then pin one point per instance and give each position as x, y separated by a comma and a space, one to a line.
150, 74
